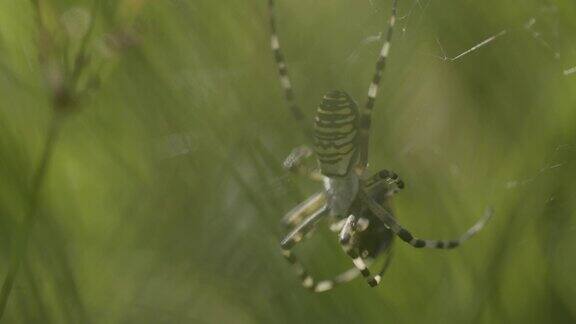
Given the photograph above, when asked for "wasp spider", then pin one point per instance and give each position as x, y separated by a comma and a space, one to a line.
357, 205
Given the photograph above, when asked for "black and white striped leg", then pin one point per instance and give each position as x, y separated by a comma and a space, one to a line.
283, 71
391, 179
388, 219
303, 228
317, 285
346, 239
295, 163
296, 236
366, 117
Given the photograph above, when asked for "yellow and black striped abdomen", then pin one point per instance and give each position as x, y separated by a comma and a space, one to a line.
336, 134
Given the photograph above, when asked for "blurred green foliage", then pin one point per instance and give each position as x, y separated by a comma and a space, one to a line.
164, 190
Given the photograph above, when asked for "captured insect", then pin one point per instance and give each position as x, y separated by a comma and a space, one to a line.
357, 205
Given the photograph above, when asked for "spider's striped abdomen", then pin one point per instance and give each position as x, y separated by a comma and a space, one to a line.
336, 134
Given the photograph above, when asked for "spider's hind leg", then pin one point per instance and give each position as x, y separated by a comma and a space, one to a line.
283, 75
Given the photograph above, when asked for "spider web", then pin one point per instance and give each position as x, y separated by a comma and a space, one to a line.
413, 20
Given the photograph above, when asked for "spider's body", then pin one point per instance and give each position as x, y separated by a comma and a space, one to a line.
340, 194
336, 146
336, 134
364, 237
357, 205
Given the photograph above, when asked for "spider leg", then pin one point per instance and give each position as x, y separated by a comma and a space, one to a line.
304, 209
303, 228
391, 180
346, 238
295, 163
366, 117
283, 71
296, 236
336, 226
318, 285
388, 219
342, 278
389, 256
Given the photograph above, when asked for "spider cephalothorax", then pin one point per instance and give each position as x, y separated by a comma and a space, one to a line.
358, 206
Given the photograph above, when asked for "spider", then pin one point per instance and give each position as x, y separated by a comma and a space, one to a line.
358, 206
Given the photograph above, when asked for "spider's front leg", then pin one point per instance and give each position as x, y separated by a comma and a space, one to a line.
295, 162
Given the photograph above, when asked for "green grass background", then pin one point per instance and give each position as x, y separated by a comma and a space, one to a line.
162, 200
